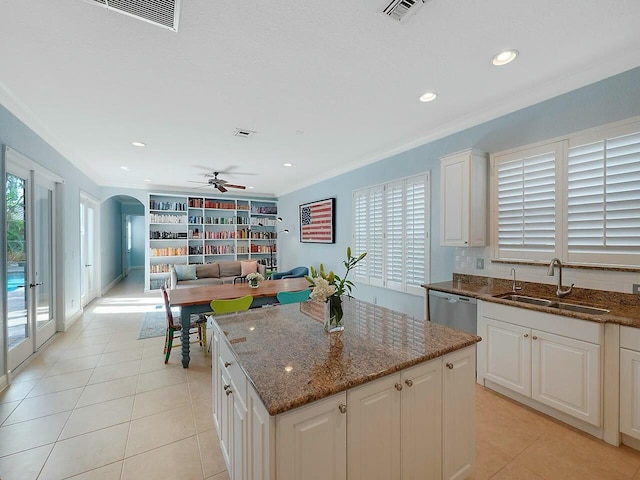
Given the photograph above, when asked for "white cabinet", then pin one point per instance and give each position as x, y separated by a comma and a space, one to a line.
553, 360
373, 433
312, 441
458, 418
463, 199
417, 424
421, 453
566, 375
508, 350
630, 381
260, 439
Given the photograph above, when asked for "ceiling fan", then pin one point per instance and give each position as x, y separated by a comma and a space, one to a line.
218, 183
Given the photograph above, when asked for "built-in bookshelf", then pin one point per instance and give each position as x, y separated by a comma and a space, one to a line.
195, 230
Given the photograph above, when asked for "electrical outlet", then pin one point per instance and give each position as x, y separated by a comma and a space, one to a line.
480, 263
636, 288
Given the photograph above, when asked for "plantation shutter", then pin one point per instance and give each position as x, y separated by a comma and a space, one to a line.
603, 205
375, 251
526, 204
394, 248
360, 232
415, 232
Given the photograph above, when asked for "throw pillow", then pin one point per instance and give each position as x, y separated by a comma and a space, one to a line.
248, 267
185, 272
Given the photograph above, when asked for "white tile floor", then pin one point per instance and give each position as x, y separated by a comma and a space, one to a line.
99, 404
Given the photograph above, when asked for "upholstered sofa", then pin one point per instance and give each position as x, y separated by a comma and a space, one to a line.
183, 276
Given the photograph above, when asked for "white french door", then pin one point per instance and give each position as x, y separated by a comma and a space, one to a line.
88, 225
30, 261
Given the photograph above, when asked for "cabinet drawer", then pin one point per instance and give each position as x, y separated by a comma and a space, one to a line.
557, 324
229, 363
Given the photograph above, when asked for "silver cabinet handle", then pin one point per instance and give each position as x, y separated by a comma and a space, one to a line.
226, 364
534, 337
398, 386
409, 383
343, 408
227, 387
229, 392
449, 365
526, 335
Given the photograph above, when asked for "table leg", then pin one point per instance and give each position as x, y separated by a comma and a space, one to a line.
186, 321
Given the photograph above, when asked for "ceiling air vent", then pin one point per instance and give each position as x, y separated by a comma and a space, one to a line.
159, 12
243, 132
400, 10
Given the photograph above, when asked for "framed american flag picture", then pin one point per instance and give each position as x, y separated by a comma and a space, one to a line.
317, 221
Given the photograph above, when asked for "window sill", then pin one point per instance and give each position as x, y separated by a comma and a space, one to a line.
611, 268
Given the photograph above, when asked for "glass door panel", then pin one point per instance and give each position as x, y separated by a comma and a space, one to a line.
87, 250
19, 344
42, 284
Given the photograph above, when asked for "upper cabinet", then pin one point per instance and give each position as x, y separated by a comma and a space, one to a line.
463, 199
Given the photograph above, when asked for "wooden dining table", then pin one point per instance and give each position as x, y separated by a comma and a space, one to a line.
194, 300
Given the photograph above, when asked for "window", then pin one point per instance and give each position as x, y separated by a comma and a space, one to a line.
577, 198
390, 224
129, 245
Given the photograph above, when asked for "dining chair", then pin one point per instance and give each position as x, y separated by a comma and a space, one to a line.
174, 330
240, 304
293, 297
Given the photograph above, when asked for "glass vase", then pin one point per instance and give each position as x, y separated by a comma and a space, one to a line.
254, 284
333, 314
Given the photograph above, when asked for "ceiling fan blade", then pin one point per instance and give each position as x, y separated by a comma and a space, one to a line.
235, 186
193, 181
221, 188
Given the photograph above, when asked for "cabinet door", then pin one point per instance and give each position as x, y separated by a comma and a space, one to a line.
373, 431
454, 195
224, 415
311, 441
215, 377
259, 441
508, 355
421, 408
630, 392
238, 438
458, 414
566, 375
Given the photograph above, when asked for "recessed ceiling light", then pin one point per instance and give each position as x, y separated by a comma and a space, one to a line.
126, 169
288, 164
428, 97
147, 179
138, 144
505, 57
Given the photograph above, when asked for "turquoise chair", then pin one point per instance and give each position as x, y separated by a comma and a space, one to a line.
293, 297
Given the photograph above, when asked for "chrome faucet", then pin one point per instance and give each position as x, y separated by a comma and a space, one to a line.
559, 292
515, 287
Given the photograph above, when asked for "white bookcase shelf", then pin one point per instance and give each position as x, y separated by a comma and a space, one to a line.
206, 229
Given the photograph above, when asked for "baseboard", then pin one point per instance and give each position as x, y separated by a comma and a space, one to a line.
72, 319
4, 382
631, 442
111, 285
137, 267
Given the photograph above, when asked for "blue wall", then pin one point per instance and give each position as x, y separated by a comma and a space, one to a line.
603, 102
137, 241
111, 241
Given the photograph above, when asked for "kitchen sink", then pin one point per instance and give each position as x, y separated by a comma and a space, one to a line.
541, 302
580, 308
524, 299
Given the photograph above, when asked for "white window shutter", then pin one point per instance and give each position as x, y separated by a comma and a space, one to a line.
526, 203
394, 230
360, 232
375, 250
416, 241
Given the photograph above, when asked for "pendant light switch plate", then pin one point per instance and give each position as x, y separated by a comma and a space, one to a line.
636, 288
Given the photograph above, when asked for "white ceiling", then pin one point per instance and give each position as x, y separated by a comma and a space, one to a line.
328, 85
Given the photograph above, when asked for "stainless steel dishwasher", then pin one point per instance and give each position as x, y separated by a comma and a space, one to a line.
455, 311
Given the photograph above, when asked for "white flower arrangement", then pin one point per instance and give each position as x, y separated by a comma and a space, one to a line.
323, 290
254, 277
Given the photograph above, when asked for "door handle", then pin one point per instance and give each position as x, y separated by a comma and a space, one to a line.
88, 265
31, 285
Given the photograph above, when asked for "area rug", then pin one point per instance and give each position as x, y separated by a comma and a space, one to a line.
154, 324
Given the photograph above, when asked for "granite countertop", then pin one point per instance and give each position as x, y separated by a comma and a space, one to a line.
624, 308
291, 361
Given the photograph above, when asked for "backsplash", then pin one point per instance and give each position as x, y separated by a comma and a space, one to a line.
465, 262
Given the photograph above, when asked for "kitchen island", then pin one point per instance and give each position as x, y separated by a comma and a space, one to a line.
391, 396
